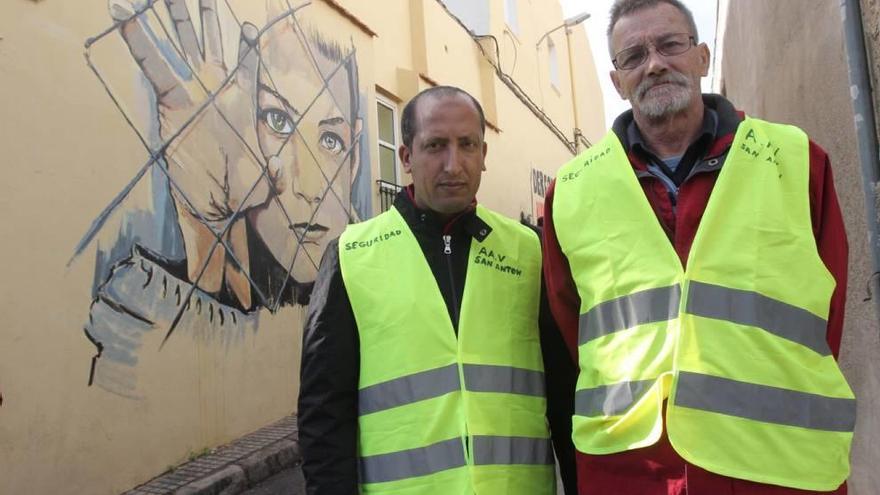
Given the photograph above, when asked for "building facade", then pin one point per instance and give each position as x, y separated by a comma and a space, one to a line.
174, 171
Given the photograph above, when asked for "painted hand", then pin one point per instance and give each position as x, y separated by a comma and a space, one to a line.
207, 123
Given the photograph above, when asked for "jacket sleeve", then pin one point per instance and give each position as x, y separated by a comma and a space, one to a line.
562, 295
828, 228
560, 375
328, 392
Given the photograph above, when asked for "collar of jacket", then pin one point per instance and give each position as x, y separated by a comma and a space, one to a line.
728, 121
421, 220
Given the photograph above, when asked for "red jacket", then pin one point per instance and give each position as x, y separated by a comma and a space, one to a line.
658, 469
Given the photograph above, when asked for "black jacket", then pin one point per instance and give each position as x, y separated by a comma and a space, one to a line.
330, 359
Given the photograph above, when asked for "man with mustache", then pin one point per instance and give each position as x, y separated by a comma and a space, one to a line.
422, 368
695, 261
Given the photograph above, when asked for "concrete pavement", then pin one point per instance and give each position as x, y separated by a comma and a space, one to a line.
265, 462
233, 468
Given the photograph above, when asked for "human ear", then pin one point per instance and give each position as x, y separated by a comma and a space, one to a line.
403, 152
705, 58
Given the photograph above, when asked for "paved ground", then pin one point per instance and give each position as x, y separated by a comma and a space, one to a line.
290, 482
233, 468
287, 482
265, 462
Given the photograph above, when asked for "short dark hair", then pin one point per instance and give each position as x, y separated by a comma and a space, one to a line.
623, 8
408, 128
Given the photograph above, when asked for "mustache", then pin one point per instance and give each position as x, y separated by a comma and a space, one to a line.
676, 78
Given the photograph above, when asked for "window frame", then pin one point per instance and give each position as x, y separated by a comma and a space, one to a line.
381, 143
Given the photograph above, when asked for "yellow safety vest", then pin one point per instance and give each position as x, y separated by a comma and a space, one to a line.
440, 414
736, 341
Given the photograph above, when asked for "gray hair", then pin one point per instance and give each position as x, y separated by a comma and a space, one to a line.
623, 8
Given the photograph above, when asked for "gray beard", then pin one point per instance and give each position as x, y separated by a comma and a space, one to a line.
671, 101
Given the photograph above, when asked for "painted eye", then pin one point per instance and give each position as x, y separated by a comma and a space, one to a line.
278, 121
331, 142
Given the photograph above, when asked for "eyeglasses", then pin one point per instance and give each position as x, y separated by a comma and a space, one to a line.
667, 45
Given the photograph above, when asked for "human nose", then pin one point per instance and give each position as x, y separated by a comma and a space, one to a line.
452, 161
655, 62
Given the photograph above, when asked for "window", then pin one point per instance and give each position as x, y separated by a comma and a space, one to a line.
510, 16
387, 113
554, 63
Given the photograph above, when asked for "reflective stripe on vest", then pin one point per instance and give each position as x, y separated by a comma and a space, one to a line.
434, 412
441, 381
766, 404
730, 397
449, 454
629, 311
756, 310
610, 400
411, 463
736, 341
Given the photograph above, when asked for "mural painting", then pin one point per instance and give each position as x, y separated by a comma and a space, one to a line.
255, 163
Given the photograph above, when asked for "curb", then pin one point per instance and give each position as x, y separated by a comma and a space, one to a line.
232, 468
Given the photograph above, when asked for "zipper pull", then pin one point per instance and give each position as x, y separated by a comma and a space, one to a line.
447, 247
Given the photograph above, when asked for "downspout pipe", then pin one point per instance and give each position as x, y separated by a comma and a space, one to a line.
866, 131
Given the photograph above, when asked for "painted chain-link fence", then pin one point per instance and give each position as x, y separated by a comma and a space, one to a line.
253, 162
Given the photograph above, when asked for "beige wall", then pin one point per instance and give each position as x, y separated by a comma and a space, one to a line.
528, 64
68, 152
518, 142
792, 69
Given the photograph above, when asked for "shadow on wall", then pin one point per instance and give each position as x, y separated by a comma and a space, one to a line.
254, 144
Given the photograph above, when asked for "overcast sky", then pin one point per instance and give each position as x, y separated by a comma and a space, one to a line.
596, 25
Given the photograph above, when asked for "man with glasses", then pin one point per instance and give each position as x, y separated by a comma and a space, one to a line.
696, 260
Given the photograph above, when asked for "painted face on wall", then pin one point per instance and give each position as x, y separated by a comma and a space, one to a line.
308, 133
283, 106
662, 85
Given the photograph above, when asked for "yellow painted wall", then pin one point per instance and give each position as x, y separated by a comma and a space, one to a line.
68, 152
441, 51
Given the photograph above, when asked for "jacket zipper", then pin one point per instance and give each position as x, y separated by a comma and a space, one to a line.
447, 251
671, 188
